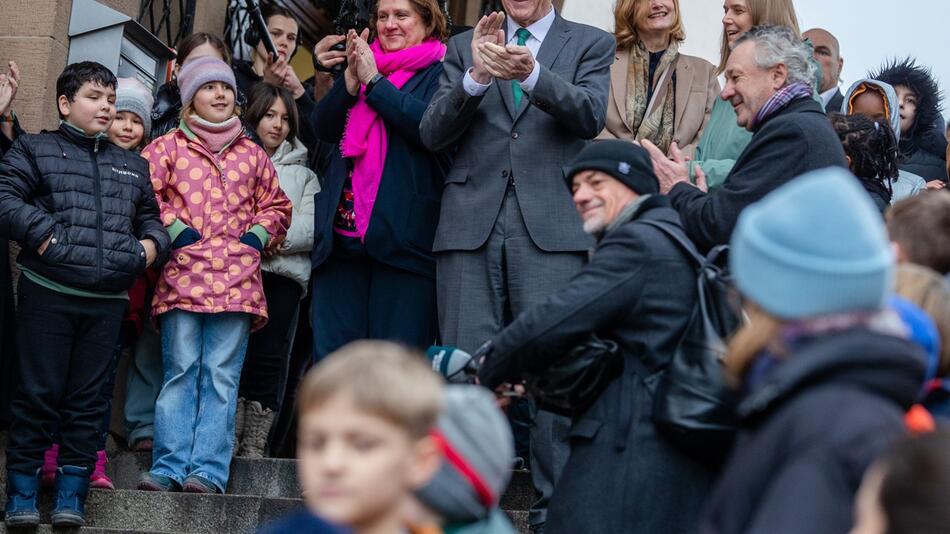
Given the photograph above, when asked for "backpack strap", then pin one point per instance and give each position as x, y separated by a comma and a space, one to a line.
676, 233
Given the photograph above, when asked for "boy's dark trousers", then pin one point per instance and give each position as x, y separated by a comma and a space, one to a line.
65, 351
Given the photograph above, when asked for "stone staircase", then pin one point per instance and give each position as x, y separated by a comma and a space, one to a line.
260, 491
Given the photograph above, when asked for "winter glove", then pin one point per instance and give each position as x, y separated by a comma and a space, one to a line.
188, 236
250, 239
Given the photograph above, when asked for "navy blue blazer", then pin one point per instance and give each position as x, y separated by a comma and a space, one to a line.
406, 213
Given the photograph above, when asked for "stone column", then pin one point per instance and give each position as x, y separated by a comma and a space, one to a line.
209, 16
34, 34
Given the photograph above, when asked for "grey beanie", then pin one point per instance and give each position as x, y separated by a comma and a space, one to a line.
131, 95
476, 464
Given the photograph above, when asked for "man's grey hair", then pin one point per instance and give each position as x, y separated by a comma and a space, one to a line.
776, 45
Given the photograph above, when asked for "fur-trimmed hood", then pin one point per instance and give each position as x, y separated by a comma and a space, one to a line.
920, 80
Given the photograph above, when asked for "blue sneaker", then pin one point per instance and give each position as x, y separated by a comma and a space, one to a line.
22, 489
72, 487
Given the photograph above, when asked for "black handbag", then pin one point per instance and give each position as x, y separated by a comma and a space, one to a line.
693, 406
571, 384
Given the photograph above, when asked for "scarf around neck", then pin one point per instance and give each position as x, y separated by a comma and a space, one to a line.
651, 118
215, 135
782, 98
364, 139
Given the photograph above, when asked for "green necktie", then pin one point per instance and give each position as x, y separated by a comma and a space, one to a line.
522, 34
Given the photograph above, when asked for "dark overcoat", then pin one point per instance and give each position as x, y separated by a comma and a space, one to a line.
639, 289
794, 141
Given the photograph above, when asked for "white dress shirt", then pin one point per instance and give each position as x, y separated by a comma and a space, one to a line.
539, 30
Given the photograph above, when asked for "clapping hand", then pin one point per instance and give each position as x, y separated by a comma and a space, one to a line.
8, 88
673, 169
512, 62
488, 30
361, 64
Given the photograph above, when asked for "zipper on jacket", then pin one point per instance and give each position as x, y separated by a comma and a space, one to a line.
98, 190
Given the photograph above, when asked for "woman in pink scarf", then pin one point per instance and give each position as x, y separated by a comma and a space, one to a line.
374, 271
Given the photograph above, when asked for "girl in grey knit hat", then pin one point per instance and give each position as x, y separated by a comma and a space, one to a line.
133, 120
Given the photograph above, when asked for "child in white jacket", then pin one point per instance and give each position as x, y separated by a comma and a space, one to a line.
286, 272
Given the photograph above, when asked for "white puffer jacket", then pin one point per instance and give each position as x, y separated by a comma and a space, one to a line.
300, 184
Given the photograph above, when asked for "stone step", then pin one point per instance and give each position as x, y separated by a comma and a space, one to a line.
47, 529
184, 513
273, 477
267, 477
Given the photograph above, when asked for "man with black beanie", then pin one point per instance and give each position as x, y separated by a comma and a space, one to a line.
639, 290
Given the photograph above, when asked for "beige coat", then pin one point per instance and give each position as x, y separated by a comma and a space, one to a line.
695, 93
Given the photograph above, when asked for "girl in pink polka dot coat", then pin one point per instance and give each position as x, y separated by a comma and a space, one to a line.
221, 202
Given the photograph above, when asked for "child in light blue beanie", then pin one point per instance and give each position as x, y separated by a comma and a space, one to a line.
816, 246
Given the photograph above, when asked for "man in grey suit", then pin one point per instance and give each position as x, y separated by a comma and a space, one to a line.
519, 97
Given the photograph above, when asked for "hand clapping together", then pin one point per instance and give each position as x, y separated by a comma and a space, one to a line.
492, 58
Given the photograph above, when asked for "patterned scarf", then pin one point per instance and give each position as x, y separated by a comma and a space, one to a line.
364, 139
779, 100
653, 119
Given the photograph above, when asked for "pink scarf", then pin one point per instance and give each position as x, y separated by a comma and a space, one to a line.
364, 139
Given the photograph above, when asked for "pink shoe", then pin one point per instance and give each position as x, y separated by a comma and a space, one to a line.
49, 466
98, 478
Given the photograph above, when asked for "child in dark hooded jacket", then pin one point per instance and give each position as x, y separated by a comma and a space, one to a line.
923, 144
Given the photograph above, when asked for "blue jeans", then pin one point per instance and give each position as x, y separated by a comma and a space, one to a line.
194, 415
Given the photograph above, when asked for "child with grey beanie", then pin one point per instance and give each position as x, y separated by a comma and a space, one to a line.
477, 447
133, 116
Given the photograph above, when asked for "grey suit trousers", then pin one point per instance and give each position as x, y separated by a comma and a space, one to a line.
481, 291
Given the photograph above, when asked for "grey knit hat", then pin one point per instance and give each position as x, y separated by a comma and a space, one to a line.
477, 452
131, 95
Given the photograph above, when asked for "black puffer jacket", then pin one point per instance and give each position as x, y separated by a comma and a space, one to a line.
92, 197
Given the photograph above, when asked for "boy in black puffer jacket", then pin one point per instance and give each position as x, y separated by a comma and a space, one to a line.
85, 215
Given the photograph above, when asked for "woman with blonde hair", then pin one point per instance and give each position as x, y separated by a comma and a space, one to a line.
824, 364
657, 93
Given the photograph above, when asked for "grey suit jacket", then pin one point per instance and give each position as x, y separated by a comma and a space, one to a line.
491, 140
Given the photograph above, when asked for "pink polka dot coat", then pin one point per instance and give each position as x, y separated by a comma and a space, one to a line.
221, 197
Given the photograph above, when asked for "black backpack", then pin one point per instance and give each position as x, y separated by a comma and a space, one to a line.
693, 406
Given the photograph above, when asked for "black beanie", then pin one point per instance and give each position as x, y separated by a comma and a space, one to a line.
623, 160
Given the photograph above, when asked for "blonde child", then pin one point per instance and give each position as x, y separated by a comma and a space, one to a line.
365, 441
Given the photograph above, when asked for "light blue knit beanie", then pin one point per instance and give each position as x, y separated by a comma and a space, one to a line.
815, 246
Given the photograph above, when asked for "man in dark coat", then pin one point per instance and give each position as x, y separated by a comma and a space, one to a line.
791, 135
638, 290
827, 52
